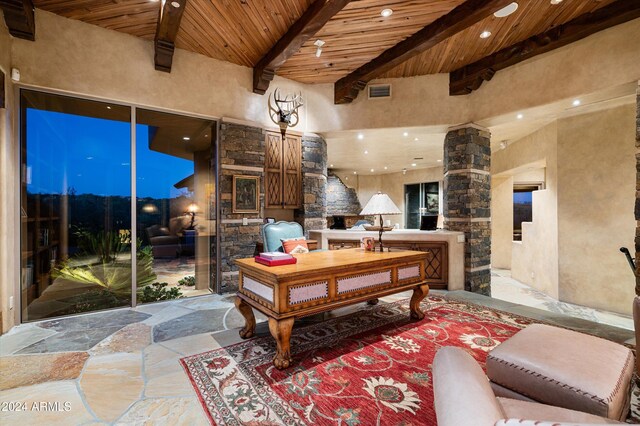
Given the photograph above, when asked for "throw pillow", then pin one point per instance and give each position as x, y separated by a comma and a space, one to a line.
295, 246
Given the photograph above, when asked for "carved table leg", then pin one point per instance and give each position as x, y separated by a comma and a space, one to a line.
419, 293
249, 319
372, 302
281, 331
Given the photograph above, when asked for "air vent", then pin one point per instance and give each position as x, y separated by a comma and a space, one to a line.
379, 91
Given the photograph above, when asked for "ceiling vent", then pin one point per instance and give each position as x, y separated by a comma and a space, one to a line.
377, 91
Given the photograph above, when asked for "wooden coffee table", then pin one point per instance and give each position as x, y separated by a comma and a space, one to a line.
322, 281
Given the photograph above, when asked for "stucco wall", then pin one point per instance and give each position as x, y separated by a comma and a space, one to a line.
9, 193
81, 58
501, 221
596, 188
393, 184
534, 260
586, 66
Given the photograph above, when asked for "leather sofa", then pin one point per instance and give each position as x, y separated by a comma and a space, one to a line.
464, 397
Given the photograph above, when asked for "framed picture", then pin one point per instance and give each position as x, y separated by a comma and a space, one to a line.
246, 194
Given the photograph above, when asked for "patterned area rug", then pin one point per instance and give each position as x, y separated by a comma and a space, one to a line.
369, 368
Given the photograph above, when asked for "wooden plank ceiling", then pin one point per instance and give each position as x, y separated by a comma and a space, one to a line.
242, 31
358, 34
135, 17
238, 31
531, 18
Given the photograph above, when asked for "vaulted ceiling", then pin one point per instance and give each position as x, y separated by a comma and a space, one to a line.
360, 44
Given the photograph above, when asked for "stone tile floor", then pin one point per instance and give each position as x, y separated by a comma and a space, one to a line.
121, 367
504, 287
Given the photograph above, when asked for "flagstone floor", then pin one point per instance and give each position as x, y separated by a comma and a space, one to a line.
121, 366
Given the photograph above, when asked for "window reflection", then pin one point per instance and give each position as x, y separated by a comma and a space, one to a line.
176, 202
76, 197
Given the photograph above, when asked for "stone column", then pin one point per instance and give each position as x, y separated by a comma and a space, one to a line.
467, 200
637, 210
313, 214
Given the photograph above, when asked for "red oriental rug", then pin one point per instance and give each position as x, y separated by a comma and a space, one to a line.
372, 367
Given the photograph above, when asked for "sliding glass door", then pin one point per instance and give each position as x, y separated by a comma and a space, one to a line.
76, 195
175, 204
90, 204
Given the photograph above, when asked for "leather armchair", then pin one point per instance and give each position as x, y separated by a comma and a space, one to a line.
464, 397
273, 233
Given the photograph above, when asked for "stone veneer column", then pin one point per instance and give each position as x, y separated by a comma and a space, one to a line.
637, 212
313, 214
467, 198
242, 152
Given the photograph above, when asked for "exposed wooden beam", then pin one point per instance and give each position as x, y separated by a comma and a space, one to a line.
311, 21
20, 18
469, 78
166, 32
459, 19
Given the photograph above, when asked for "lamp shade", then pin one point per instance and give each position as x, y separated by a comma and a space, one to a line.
380, 204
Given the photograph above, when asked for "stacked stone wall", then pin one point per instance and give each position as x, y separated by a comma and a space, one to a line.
313, 213
467, 200
341, 200
242, 152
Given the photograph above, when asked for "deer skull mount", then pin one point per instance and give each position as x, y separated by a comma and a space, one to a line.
284, 111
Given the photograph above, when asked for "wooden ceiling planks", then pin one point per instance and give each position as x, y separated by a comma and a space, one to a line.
532, 17
243, 31
135, 17
238, 31
358, 34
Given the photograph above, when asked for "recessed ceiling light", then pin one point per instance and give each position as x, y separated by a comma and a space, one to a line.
355, 173
507, 10
366, 152
413, 164
519, 116
385, 167
556, 1
330, 165
186, 138
346, 178
485, 34
416, 139
576, 102
386, 13
175, 4
405, 134
108, 107
371, 170
360, 136
439, 161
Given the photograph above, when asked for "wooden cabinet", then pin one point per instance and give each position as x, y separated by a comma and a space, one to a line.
282, 171
436, 265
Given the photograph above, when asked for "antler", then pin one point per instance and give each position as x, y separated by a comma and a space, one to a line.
284, 110
274, 110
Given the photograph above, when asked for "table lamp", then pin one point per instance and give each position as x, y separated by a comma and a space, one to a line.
192, 210
380, 204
